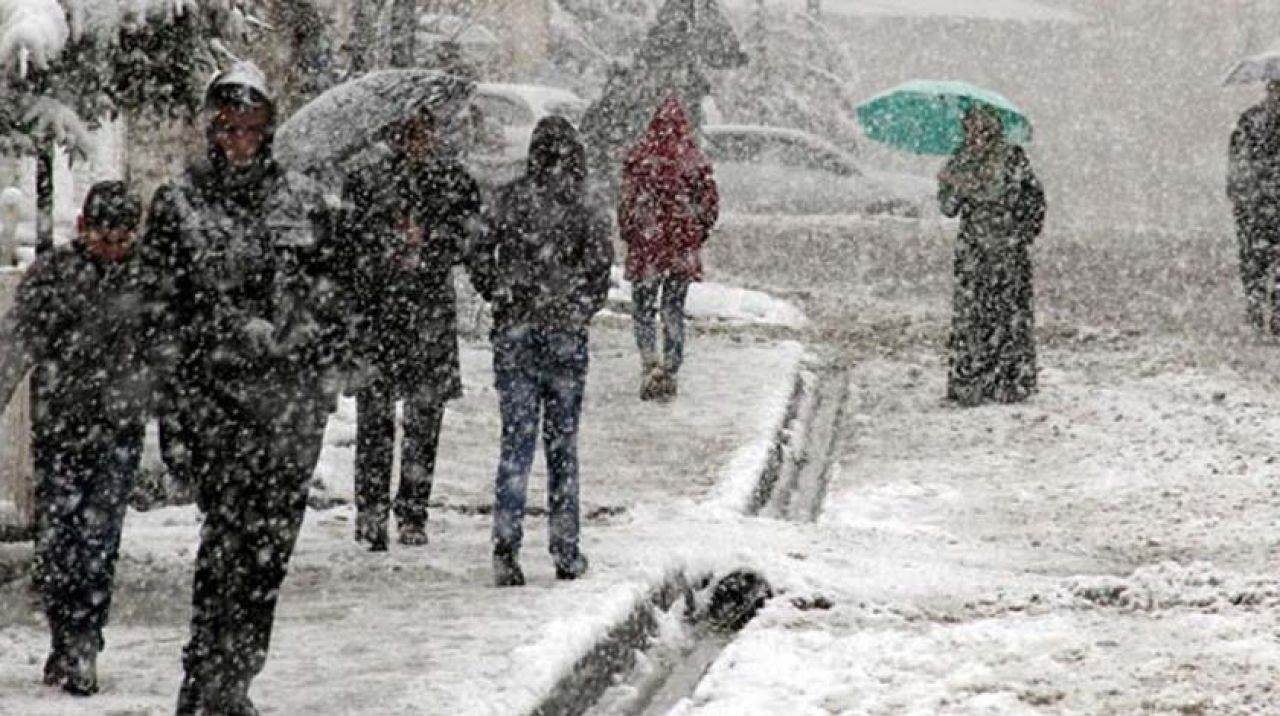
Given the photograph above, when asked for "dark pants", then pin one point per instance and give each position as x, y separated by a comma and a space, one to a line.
540, 376
375, 447
82, 491
252, 481
646, 295
1258, 273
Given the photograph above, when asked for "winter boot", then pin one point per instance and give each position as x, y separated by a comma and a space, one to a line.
372, 530
650, 379
572, 568
506, 568
80, 664
666, 386
55, 668
413, 533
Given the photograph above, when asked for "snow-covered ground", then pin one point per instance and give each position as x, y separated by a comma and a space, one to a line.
1017, 10
421, 631
1109, 547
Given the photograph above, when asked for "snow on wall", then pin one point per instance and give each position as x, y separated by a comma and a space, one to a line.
16, 485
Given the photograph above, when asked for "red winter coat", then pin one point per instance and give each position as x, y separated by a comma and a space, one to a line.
669, 200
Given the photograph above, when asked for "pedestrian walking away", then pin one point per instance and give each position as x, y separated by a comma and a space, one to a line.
247, 338
989, 184
668, 205
78, 321
545, 269
1253, 185
411, 217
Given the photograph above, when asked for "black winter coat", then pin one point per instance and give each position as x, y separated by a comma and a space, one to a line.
548, 261
1001, 206
400, 297
244, 306
80, 320
1253, 176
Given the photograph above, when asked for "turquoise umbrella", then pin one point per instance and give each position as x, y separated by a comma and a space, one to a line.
924, 116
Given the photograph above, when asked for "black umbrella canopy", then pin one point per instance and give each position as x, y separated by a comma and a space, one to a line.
350, 117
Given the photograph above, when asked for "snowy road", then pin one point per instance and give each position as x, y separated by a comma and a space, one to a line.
1109, 547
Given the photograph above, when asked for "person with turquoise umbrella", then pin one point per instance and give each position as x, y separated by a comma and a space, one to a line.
989, 184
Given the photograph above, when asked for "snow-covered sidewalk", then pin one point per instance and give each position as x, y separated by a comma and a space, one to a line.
420, 630
1107, 548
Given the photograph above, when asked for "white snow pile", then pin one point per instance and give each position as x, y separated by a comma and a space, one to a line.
710, 301
37, 31
1169, 585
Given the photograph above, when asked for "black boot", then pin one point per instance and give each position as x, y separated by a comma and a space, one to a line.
413, 532
571, 568
80, 664
372, 531
506, 568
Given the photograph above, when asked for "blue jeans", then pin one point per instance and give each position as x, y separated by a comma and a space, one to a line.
83, 482
540, 375
644, 310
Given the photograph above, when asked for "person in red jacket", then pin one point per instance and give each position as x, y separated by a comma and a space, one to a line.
668, 205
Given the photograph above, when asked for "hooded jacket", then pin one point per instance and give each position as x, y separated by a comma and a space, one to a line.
80, 320
243, 310
669, 199
548, 263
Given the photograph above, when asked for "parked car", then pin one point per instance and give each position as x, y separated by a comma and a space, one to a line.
779, 170
501, 121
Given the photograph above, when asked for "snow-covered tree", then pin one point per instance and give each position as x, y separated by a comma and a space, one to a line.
799, 77
68, 65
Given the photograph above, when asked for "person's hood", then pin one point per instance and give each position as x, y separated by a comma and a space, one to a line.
557, 157
247, 77
241, 74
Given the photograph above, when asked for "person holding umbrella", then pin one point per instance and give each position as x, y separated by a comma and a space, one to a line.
1253, 185
413, 213
989, 184
669, 204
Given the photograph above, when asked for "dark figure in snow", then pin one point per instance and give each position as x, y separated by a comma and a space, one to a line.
246, 349
78, 319
1253, 184
546, 274
668, 206
412, 216
989, 184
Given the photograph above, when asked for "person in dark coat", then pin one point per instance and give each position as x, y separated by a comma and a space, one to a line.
246, 339
546, 273
78, 319
989, 184
1253, 185
412, 215
668, 205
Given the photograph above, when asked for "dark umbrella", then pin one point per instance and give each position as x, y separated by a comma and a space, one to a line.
348, 118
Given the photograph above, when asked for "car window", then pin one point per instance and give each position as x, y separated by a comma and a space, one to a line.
794, 152
732, 146
503, 111
571, 111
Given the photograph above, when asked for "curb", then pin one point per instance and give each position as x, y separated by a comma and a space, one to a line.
593, 673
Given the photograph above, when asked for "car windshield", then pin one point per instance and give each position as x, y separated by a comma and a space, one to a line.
776, 149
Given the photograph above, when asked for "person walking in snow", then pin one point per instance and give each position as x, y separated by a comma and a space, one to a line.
78, 319
246, 342
1253, 185
412, 216
669, 203
546, 275
989, 184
